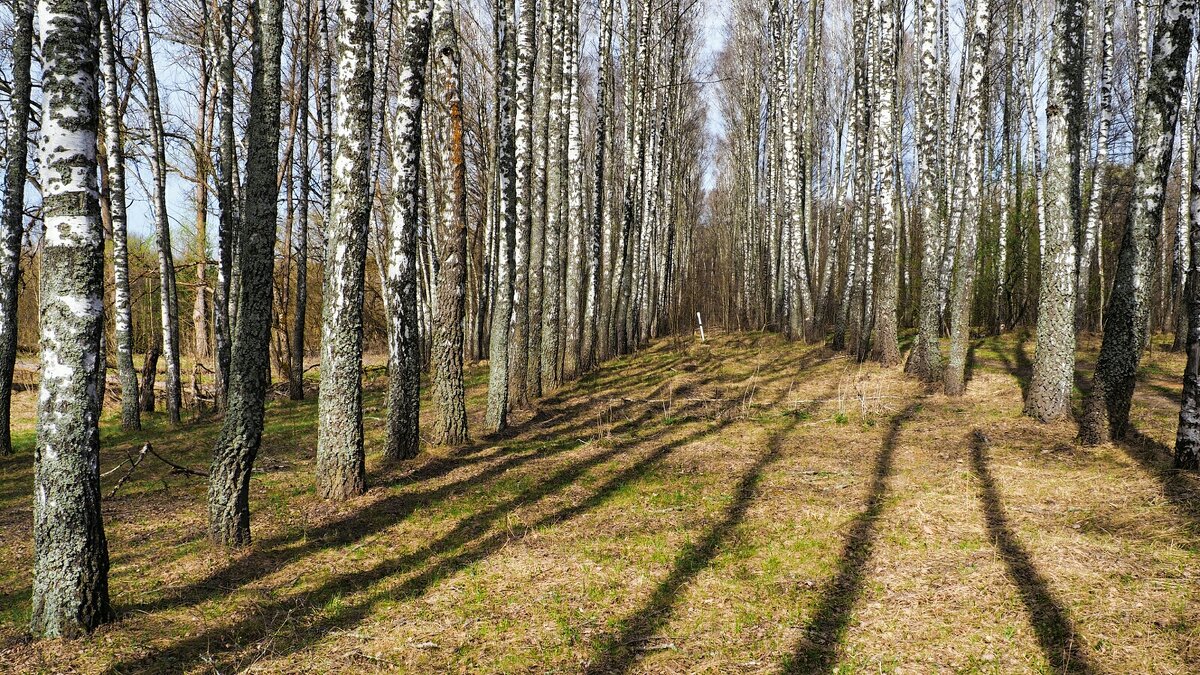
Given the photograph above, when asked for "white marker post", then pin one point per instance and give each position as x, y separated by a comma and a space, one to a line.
701, 322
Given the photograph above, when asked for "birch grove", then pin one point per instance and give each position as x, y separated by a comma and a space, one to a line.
478, 207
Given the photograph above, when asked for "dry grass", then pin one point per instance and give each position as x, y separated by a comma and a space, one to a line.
744, 505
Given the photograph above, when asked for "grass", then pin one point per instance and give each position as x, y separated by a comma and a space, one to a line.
742, 505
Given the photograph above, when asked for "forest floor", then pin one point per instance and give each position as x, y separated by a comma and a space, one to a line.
741, 505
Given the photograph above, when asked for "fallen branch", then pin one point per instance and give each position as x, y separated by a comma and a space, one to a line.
178, 468
134, 461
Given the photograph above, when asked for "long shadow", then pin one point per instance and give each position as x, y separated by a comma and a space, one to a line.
1056, 633
274, 553
817, 650
1022, 369
470, 534
617, 653
1157, 459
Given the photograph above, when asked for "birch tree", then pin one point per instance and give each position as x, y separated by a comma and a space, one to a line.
451, 425
1053, 376
526, 55
400, 282
168, 294
967, 193
341, 464
70, 569
12, 220
300, 316
241, 431
506, 169
1126, 318
925, 360
1187, 436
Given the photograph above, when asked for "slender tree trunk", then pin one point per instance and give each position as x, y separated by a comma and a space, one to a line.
70, 569
498, 352
341, 460
12, 221
131, 418
926, 360
300, 316
227, 199
967, 195
451, 425
593, 301
404, 345
555, 175
168, 297
1126, 317
241, 433
1091, 238
526, 64
1187, 437
886, 345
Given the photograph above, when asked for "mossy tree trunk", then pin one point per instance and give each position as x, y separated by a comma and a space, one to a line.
70, 576
1126, 317
241, 433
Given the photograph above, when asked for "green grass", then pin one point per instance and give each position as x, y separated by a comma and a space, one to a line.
611, 531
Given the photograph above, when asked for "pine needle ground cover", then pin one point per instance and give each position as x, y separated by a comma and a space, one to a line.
741, 505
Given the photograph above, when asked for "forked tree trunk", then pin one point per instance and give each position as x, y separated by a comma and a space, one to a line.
400, 281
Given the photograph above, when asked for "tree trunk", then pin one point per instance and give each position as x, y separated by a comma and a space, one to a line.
506, 170
1049, 396
1126, 316
519, 341
967, 195
168, 296
925, 361
241, 433
1187, 437
149, 373
341, 463
886, 345
451, 425
404, 345
70, 569
300, 317
228, 202
12, 221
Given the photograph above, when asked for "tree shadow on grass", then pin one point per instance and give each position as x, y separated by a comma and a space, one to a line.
617, 653
817, 650
1022, 367
1181, 488
291, 624
1056, 633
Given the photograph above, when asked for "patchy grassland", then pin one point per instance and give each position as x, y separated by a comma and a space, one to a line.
744, 505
